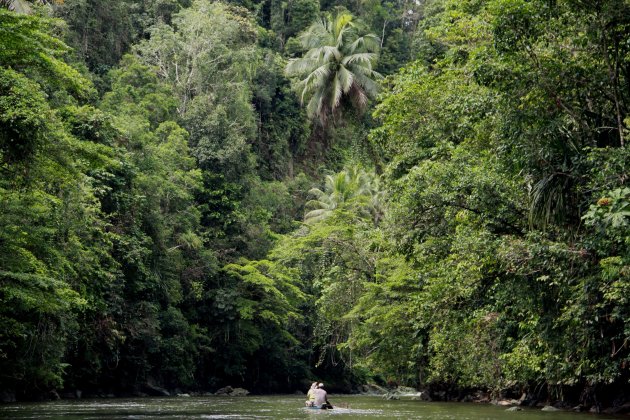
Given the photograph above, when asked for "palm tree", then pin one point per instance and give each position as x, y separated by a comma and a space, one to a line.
338, 189
23, 6
338, 64
351, 187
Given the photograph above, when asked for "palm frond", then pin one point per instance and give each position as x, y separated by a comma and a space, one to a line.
367, 85
358, 96
344, 34
321, 72
371, 42
549, 200
337, 91
328, 52
364, 58
346, 78
299, 66
317, 34
316, 192
17, 6
315, 216
364, 70
313, 81
316, 53
365, 43
315, 105
318, 204
24, 6
341, 22
329, 183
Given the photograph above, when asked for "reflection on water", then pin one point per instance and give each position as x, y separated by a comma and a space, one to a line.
270, 407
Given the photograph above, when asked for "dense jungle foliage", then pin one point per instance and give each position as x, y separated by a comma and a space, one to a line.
197, 193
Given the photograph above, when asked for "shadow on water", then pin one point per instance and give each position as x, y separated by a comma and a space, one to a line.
271, 407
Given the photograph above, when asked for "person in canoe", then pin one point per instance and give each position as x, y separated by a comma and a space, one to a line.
310, 395
321, 397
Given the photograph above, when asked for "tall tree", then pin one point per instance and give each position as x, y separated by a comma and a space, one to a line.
25, 6
513, 109
52, 237
338, 64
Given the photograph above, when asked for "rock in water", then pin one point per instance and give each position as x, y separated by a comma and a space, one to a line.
224, 391
391, 396
239, 392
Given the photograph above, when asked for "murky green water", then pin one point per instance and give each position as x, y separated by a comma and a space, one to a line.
270, 407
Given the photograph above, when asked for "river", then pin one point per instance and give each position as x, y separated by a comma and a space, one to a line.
271, 407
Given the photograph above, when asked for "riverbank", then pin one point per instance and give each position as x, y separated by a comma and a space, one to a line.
597, 400
606, 400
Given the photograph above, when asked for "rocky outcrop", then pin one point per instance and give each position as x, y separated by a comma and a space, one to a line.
407, 392
504, 403
224, 391
239, 392
620, 409
609, 400
372, 389
422, 396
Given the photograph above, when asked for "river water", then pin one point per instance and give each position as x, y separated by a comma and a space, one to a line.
271, 407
